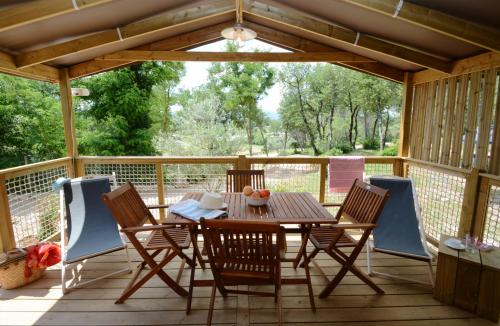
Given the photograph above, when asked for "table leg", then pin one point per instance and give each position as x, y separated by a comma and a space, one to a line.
194, 239
305, 230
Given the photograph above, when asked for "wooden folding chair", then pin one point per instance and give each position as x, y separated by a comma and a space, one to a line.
131, 213
241, 253
362, 207
236, 180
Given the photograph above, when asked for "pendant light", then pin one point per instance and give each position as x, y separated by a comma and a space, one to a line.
238, 32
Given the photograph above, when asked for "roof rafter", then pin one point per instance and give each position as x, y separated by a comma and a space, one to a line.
178, 42
296, 43
39, 71
169, 19
436, 21
295, 19
32, 11
144, 55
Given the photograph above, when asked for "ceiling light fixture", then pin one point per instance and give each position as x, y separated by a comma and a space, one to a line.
238, 32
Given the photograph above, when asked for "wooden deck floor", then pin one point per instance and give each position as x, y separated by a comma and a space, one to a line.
352, 303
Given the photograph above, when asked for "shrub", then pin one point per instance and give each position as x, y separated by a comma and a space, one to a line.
334, 152
371, 143
390, 151
345, 147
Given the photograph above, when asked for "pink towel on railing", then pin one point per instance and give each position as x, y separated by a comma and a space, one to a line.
344, 170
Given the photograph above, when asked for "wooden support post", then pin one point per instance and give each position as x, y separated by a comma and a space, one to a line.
322, 181
243, 163
7, 239
68, 114
161, 189
404, 126
79, 168
481, 207
397, 167
469, 203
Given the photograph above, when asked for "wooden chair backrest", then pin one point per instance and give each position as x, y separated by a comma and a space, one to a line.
248, 246
363, 203
127, 206
236, 180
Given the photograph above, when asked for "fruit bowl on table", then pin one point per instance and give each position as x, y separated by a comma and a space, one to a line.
257, 201
256, 197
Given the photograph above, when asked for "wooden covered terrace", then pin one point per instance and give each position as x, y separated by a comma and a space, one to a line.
444, 53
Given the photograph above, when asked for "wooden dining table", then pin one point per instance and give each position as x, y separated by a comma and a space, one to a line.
286, 208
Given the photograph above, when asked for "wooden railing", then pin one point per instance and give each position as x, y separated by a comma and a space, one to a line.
453, 200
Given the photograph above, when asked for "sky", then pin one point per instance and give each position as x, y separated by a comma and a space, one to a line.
197, 73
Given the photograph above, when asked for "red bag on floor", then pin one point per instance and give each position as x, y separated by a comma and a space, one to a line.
41, 256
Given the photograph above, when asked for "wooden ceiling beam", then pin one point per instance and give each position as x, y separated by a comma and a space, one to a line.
38, 72
167, 20
294, 19
33, 11
144, 55
434, 20
178, 42
478, 62
296, 43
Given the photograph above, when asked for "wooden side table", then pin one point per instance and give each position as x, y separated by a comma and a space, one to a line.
469, 281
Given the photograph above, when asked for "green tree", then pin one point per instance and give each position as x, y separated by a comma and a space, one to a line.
31, 128
115, 118
200, 128
239, 87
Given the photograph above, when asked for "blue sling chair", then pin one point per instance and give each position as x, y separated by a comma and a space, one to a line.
91, 230
400, 230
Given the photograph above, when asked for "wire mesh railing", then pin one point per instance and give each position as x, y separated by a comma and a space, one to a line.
34, 207
491, 234
440, 194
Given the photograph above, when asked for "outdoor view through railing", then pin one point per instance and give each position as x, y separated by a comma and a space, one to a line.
34, 207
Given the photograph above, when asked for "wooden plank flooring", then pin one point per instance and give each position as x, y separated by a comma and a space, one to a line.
352, 303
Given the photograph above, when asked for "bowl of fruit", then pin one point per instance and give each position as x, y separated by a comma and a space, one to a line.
256, 197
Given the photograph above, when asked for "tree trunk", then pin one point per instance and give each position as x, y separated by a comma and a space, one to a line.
365, 120
250, 137
312, 139
264, 139
386, 130
374, 130
332, 111
285, 140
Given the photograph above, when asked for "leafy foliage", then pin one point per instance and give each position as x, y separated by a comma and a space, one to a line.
116, 117
31, 128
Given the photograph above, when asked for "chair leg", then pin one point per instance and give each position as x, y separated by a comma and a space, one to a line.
365, 278
311, 256
191, 285
431, 273
369, 257
309, 285
280, 308
336, 280
128, 259
63, 278
212, 304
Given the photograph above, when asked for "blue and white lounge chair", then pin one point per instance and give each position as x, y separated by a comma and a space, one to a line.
91, 229
400, 230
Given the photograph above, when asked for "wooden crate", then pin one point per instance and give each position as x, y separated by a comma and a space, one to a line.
469, 281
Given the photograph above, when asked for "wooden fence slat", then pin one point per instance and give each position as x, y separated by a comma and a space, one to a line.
413, 125
429, 119
485, 119
420, 122
438, 120
7, 239
481, 207
471, 122
494, 167
458, 122
448, 120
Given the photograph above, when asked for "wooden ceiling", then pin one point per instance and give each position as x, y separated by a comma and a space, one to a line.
381, 37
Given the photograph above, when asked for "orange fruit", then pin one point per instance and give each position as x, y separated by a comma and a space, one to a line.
255, 195
265, 193
247, 190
